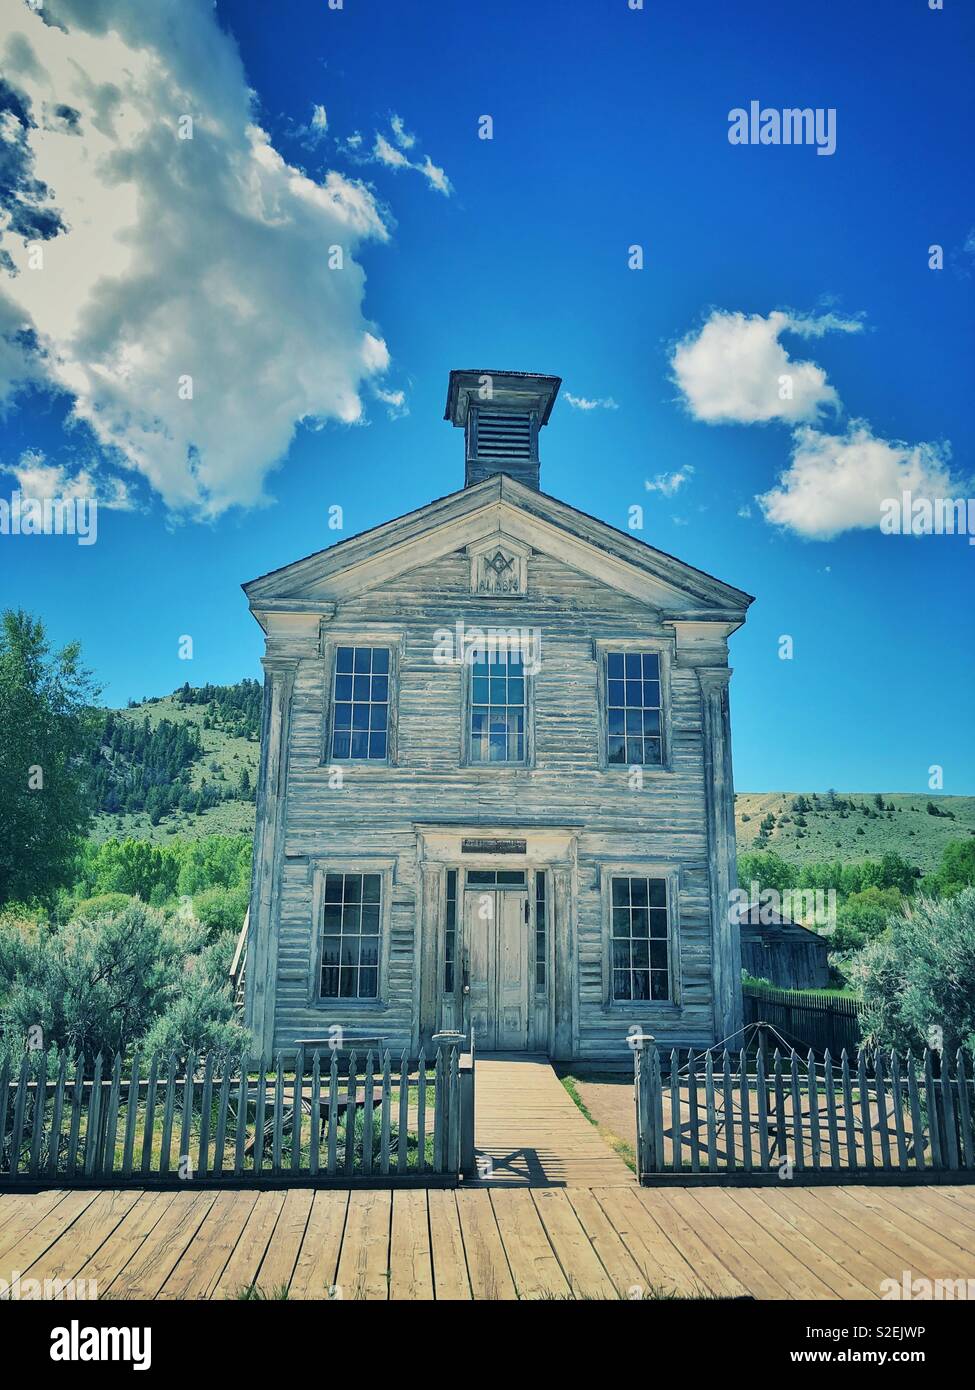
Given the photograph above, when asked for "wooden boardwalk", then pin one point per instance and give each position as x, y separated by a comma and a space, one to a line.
491, 1243
532, 1134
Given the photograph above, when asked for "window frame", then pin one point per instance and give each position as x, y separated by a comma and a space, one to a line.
467, 695
661, 648
636, 868
391, 642
353, 1004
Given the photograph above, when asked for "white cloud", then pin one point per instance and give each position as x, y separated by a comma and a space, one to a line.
319, 119
403, 138
38, 478
384, 152
836, 482
167, 258
590, 402
735, 370
394, 401
669, 483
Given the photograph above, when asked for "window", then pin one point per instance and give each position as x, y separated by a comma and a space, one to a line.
497, 707
633, 708
360, 704
495, 878
540, 925
639, 940
450, 933
350, 936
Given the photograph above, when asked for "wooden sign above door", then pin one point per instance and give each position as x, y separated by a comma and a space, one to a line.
493, 846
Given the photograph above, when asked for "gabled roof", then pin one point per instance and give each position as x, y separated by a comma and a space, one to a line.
500, 505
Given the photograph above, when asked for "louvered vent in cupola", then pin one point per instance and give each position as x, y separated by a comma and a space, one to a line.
501, 414
503, 434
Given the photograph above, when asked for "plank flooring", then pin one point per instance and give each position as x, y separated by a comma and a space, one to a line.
510, 1241
531, 1133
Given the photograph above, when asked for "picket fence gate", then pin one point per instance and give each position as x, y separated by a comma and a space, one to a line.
739, 1116
333, 1118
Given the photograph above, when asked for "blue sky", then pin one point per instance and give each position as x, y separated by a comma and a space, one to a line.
610, 129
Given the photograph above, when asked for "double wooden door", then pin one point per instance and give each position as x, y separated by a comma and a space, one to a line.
497, 936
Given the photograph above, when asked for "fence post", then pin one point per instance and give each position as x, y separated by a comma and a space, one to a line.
648, 1149
448, 1044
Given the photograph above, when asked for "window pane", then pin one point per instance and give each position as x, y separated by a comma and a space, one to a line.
350, 939
639, 944
633, 714
360, 703
497, 709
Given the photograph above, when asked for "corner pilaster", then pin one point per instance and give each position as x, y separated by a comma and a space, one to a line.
722, 862
272, 789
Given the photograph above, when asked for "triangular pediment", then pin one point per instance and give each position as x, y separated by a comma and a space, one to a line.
499, 520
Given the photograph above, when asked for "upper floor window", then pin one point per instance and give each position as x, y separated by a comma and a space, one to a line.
639, 939
498, 707
351, 936
360, 704
633, 708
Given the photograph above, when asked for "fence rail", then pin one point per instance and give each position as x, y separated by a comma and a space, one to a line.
736, 1116
347, 1118
827, 1022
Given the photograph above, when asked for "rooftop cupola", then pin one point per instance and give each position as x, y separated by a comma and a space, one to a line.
501, 414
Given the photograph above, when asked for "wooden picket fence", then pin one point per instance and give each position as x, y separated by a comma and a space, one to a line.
822, 1022
736, 1116
324, 1118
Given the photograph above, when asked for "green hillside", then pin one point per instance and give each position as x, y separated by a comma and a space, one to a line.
850, 826
223, 728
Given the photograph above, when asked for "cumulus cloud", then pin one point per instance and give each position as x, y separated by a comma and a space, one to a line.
189, 300
590, 402
837, 482
735, 369
668, 483
38, 478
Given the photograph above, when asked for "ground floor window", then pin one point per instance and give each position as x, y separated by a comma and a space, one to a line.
639, 939
450, 933
541, 925
351, 936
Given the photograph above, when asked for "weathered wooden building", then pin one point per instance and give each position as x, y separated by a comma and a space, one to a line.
496, 785
784, 952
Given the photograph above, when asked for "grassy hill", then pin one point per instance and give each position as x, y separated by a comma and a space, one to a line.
226, 752
852, 826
